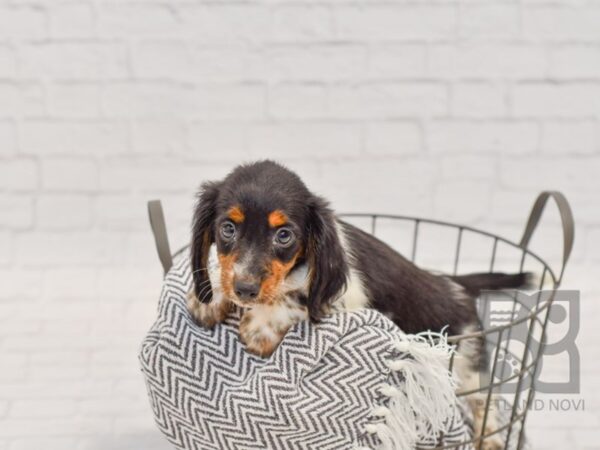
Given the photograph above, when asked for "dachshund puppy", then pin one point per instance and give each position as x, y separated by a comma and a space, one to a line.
262, 241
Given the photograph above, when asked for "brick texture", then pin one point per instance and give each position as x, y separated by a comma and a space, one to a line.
457, 110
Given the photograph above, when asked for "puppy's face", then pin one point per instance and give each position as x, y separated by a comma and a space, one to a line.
259, 241
267, 226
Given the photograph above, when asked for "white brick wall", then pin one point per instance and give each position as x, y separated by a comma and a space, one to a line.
460, 110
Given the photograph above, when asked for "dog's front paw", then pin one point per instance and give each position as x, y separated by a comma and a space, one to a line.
493, 442
207, 314
259, 337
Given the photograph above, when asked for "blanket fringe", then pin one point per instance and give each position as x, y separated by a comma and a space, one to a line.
420, 409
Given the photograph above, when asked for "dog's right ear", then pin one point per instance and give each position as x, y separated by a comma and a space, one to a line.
202, 239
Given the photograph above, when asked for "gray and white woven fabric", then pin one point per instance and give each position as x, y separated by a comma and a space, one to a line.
321, 389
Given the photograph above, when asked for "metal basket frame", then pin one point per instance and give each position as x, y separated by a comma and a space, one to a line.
535, 316
539, 314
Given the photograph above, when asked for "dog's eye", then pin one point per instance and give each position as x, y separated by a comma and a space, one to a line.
227, 231
284, 237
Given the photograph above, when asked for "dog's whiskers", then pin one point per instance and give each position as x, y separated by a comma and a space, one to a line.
205, 296
202, 285
198, 270
204, 292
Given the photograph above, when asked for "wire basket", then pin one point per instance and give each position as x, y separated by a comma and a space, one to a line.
488, 253
514, 363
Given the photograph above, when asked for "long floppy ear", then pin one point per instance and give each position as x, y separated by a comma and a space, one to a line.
202, 238
326, 259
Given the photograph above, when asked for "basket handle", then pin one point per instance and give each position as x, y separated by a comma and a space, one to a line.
566, 217
159, 230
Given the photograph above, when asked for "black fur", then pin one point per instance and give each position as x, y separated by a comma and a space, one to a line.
325, 255
474, 283
416, 300
261, 188
202, 237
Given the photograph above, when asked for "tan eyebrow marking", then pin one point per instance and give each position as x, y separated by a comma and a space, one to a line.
236, 214
277, 218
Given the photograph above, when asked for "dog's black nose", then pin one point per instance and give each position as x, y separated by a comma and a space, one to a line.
246, 291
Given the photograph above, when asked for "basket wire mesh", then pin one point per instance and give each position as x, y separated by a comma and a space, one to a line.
525, 361
498, 338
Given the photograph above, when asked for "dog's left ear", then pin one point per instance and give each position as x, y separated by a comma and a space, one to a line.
202, 239
328, 269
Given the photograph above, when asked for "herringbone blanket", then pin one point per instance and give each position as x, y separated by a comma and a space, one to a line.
352, 381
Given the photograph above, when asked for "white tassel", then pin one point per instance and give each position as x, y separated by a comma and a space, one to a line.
371, 428
389, 391
388, 438
420, 409
402, 346
398, 364
381, 411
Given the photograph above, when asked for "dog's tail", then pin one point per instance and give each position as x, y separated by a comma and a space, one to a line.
474, 283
